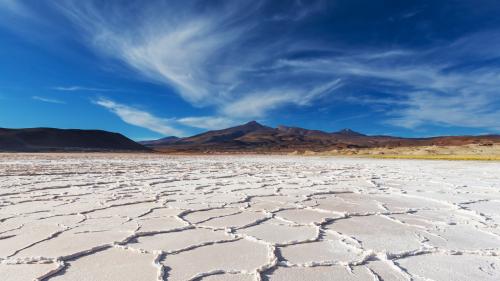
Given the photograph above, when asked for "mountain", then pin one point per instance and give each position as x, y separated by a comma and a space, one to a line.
162, 141
50, 139
349, 133
255, 137
226, 135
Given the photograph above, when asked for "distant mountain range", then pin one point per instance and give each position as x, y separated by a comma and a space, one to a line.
254, 137
249, 137
49, 139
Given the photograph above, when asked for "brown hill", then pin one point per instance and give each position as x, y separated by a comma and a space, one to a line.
162, 141
254, 137
49, 139
227, 136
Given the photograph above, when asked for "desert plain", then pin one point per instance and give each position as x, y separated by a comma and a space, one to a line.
279, 218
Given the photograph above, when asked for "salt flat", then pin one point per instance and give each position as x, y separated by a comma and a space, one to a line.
156, 217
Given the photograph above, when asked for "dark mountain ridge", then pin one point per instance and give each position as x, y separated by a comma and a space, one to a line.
50, 139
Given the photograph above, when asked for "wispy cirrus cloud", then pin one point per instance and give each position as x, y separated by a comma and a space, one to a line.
223, 57
140, 118
299, 10
208, 122
447, 85
257, 104
178, 49
200, 54
463, 110
79, 88
48, 100
212, 56
165, 126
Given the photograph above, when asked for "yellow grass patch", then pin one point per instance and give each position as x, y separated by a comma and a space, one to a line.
438, 157
463, 152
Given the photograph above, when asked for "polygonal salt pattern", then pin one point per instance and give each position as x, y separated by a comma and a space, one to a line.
225, 218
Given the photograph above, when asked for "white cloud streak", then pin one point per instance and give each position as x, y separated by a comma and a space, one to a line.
164, 126
140, 118
204, 55
48, 100
207, 122
458, 110
79, 88
178, 49
258, 104
424, 88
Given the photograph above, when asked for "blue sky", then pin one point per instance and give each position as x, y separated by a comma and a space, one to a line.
149, 69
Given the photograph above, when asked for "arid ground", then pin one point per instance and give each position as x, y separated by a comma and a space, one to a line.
461, 152
156, 217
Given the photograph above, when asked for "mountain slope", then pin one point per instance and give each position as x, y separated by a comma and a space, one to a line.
226, 135
162, 141
49, 139
254, 137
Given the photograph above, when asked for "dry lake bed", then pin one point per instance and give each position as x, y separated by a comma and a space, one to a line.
280, 218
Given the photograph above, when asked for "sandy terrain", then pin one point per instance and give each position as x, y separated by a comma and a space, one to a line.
153, 217
461, 152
